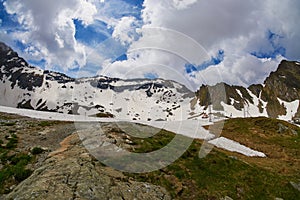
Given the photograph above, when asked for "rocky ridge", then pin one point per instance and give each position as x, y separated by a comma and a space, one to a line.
24, 86
271, 99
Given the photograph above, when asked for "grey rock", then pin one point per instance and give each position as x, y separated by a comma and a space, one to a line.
71, 173
296, 185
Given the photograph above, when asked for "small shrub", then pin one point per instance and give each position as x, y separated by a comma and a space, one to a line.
9, 123
20, 173
12, 143
45, 123
37, 150
3, 156
20, 159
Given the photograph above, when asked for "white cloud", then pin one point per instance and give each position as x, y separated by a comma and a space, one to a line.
125, 30
159, 51
197, 30
183, 4
244, 71
237, 27
111, 11
51, 30
144, 61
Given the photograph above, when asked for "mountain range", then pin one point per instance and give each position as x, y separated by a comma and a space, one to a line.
25, 86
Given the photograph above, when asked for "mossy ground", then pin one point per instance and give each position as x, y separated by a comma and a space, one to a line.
222, 173
18, 156
13, 164
219, 174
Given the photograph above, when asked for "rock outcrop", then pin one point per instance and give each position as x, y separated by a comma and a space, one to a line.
71, 173
281, 85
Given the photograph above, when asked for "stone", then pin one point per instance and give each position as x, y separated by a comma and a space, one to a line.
72, 173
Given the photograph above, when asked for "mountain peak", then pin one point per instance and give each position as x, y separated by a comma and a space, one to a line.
6, 51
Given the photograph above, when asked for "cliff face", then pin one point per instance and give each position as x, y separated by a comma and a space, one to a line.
284, 84
280, 86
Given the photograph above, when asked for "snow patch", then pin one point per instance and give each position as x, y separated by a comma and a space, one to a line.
12, 59
253, 109
230, 110
233, 146
189, 128
282, 76
291, 109
239, 92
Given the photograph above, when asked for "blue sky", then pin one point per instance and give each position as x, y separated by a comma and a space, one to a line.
242, 41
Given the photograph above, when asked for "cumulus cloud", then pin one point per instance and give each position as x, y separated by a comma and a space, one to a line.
112, 11
142, 62
50, 28
183, 4
240, 28
125, 30
163, 36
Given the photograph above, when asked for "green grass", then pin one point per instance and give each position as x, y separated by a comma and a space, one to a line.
153, 143
217, 176
45, 123
262, 134
13, 165
12, 142
15, 171
220, 173
8, 123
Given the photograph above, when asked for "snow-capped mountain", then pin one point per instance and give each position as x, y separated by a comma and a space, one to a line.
24, 86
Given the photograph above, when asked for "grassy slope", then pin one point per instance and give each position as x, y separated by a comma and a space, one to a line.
223, 173
282, 148
219, 174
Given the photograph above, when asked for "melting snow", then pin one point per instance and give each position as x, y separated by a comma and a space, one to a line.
239, 92
230, 110
282, 76
190, 128
233, 146
291, 109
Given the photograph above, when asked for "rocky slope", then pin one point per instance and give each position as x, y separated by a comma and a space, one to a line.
71, 173
284, 84
62, 168
278, 97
